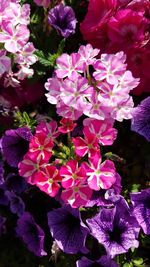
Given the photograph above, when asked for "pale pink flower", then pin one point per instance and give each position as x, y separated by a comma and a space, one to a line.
87, 145
72, 174
17, 14
53, 86
3, 6
88, 54
5, 62
69, 66
25, 56
41, 146
11, 80
24, 72
74, 93
30, 166
101, 175
68, 112
48, 180
103, 130
123, 110
44, 3
110, 67
49, 129
77, 196
13, 37
127, 82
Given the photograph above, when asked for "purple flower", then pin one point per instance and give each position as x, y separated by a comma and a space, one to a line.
62, 18
2, 225
3, 197
31, 234
141, 118
14, 144
67, 229
104, 261
115, 228
15, 183
1, 173
17, 205
141, 209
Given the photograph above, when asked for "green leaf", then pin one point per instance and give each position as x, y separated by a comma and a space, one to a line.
138, 261
135, 188
127, 264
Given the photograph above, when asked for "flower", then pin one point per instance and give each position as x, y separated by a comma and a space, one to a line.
88, 54
48, 180
44, 3
14, 144
101, 175
115, 228
141, 119
17, 205
5, 62
62, 18
31, 234
1, 172
67, 229
141, 209
15, 183
103, 130
67, 125
104, 261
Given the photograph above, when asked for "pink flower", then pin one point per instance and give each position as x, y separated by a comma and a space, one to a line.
101, 175
49, 129
30, 166
44, 3
67, 125
110, 67
88, 54
87, 145
123, 110
25, 56
41, 146
77, 196
48, 180
68, 111
103, 130
14, 38
69, 66
53, 85
17, 14
94, 26
75, 93
5, 62
72, 174
127, 28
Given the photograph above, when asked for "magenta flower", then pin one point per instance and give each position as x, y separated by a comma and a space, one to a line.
101, 175
14, 38
69, 66
103, 130
87, 145
30, 166
48, 180
67, 125
5, 62
44, 3
41, 146
68, 111
77, 196
72, 174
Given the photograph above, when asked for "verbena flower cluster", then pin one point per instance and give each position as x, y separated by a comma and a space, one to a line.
74, 145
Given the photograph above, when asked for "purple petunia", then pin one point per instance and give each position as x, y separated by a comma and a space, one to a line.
115, 228
14, 144
141, 119
17, 205
15, 183
1, 173
141, 209
31, 234
104, 261
62, 18
2, 225
67, 229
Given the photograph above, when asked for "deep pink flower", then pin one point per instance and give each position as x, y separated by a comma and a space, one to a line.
69, 66
103, 130
77, 196
87, 145
94, 26
101, 175
127, 28
14, 38
30, 166
49, 129
41, 146
67, 125
72, 174
48, 180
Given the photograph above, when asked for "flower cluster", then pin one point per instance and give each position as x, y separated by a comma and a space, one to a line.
14, 35
102, 94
